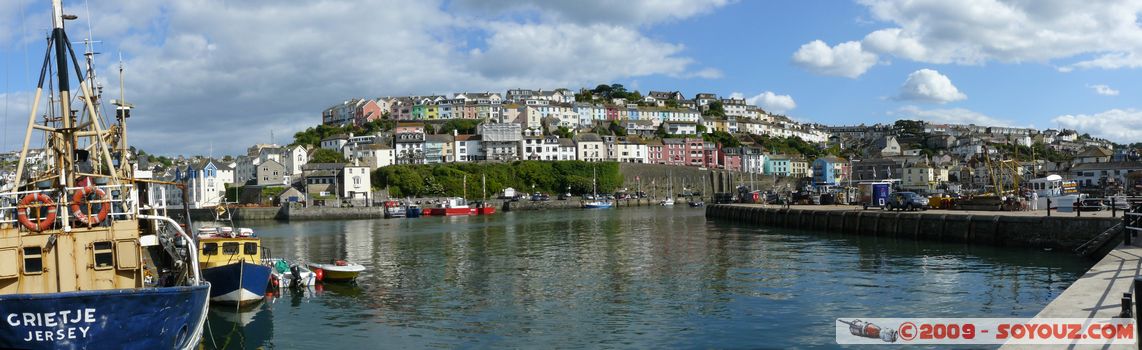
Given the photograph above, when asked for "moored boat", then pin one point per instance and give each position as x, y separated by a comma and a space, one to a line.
413, 211
599, 204
88, 258
596, 202
450, 207
395, 209
483, 208
696, 204
233, 265
288, 274
338, 271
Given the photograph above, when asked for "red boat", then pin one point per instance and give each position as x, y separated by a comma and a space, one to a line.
483, 208
450, 207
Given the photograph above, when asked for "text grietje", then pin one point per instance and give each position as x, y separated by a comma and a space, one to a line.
64, 324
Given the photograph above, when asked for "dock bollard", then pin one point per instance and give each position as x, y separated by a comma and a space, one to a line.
1137, 312
1127, 306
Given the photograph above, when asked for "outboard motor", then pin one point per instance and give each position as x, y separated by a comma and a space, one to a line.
295, 282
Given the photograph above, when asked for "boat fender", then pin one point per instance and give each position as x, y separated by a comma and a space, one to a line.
319, 273
82, 197
36, 200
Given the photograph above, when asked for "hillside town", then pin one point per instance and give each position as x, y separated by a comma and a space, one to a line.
608, 124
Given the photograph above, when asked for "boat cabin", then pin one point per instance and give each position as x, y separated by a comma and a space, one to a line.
1052, 186
222, 250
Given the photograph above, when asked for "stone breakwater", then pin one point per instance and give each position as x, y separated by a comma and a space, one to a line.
997, 229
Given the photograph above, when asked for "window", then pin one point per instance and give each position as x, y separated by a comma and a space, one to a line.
33, 261
250, 248
210, 249
102, 255
230, 248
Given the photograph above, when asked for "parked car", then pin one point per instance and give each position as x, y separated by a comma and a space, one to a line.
564, 196
589, 197
640, 195
537, 197
1091, 205
907, 201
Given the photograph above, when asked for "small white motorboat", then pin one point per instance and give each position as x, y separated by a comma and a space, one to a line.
339, 270
282, 271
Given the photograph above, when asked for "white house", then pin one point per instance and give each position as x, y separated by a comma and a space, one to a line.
468, 148
294, 158
409, 148
590, 148
375, 155
335, 142
205, 182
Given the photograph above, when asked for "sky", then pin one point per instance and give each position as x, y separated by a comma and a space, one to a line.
212, 77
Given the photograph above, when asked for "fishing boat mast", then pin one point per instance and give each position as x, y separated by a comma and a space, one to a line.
62, 138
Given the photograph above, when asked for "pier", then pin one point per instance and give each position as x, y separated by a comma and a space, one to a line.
1015, 229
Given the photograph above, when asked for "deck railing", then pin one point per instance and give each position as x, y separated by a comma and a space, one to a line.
118, 198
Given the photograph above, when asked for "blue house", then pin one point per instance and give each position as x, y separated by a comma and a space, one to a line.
830, 171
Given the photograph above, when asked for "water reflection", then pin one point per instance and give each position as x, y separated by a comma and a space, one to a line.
234, 328
633, 277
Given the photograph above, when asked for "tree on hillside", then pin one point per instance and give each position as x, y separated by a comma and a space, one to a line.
909, 127
564, 132
603, 90
715, 109
325, 155
601, 130
617, 128
462, 126
617, 90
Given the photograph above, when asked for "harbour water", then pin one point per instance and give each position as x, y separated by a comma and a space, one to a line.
649, 277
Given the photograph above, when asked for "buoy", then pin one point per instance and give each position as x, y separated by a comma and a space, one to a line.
319, 273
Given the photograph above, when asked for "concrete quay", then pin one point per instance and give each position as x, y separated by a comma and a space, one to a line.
1013, 229
1097, 294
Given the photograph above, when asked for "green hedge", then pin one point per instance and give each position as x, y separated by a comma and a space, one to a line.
447, 179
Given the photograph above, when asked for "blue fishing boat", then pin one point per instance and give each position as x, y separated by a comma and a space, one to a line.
414, 211
82, 266
232, 263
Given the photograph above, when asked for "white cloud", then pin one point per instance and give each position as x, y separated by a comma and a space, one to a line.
846, 59
977, 31
928, 85
706, 73
769, 101
10, 13
599, 52
197, 69
1118, 125
1104, 90
598, 11
950, 116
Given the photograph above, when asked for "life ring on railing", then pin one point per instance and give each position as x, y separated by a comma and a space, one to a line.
41, 223
81, 197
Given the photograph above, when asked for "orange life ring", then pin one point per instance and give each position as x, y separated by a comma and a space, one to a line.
80, 197
41, 224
